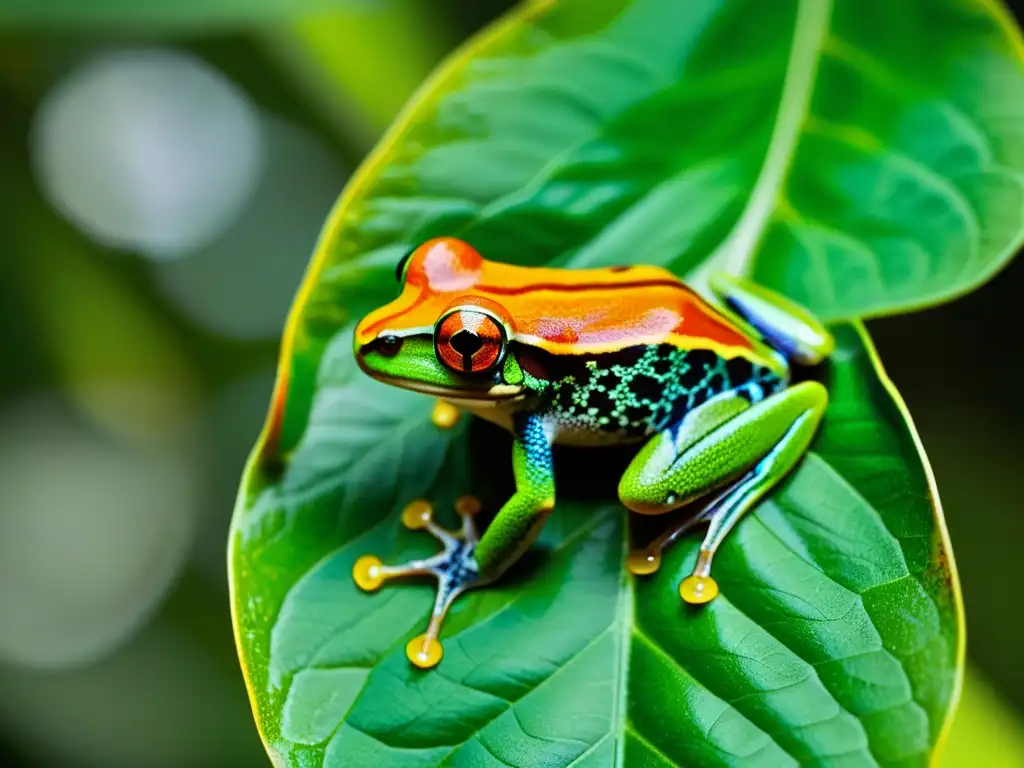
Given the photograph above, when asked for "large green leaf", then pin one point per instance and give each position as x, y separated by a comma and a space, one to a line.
860, 156
361, 65
837, 633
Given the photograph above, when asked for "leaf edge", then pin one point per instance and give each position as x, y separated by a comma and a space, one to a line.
270, 432
940, 525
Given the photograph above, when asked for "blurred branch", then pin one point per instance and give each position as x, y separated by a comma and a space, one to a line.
359, 66
100, 336
142, 14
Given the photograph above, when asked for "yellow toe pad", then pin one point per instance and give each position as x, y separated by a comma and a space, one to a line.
445, 415
467, 505
643, 562
417, 514
697, 590
425, 652
367, 574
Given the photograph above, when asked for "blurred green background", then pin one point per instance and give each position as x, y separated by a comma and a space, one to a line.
162, 182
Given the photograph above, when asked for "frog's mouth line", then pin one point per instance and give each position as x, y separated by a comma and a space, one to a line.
481, 397
478, 397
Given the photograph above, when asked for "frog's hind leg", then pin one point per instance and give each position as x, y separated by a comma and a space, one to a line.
729, 506
735, 455
645, 486
454, 568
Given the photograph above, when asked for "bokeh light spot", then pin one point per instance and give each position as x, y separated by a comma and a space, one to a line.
91, 536
242, 284
147, 150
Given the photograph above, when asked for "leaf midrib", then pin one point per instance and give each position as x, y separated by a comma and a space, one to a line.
737, 250
735, 253
625, 611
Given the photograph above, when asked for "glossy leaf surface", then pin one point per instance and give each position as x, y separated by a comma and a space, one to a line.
587, 133
836, 633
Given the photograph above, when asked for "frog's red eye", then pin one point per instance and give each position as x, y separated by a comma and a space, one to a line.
469, 341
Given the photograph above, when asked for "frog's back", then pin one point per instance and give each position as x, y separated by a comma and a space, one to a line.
596, 311
565, 311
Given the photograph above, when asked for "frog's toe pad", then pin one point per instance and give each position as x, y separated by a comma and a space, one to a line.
368, 573
644, 562
445, 415
697, 590
424, 651
467, 506
417, 514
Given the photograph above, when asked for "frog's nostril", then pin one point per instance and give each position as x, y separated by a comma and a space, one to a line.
389, 345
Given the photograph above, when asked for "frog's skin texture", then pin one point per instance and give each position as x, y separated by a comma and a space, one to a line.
596, 357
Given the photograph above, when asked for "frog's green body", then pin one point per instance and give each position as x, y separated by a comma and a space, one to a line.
594, 357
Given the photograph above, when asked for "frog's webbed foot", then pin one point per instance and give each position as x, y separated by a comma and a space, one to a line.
699, 587
454, 567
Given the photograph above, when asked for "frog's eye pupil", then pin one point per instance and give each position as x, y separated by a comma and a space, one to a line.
400, 267
466, 343
469, 341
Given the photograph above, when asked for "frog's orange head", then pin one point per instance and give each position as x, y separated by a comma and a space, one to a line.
438, 336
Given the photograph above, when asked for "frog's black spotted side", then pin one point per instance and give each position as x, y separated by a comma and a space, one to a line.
640, 390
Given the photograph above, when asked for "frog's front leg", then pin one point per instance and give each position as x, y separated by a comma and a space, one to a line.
465, 561
730, 448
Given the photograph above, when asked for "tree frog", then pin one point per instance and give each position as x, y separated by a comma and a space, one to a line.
595, 357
